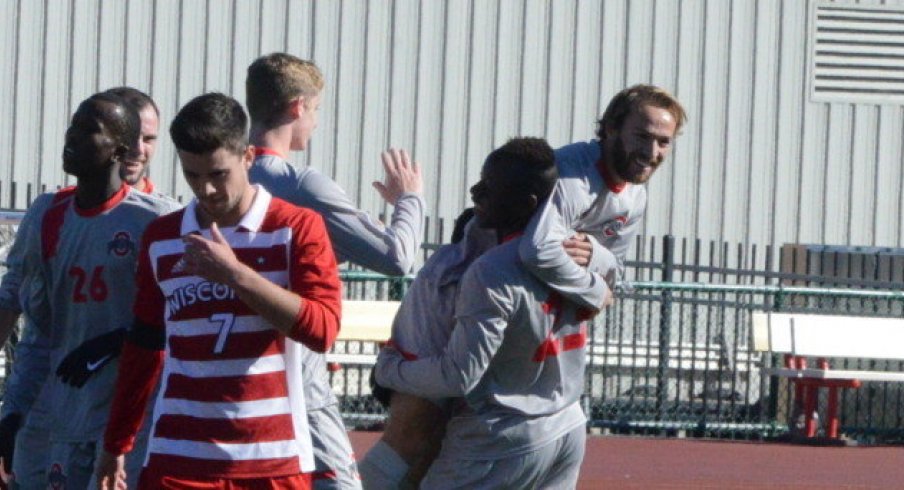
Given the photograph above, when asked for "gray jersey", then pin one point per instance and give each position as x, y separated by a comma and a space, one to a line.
426, 317
582, 201
355, 236
85, 288
16, 266
517, 355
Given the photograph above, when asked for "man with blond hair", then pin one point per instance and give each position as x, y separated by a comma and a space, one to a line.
283, 100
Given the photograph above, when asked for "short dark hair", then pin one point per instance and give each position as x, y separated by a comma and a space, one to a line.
136, 97
535, 162
122, 118
632, 99
458, 230
209, 122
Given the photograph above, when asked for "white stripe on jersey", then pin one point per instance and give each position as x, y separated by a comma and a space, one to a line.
225, 368
228, 452
280, 278
224, 410
204, 326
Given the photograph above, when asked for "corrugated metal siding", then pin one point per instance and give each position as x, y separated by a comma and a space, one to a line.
759, 162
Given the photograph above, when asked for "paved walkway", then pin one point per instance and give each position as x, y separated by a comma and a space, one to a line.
635, 462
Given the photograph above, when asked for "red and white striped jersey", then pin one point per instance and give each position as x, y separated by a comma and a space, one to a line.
231, 402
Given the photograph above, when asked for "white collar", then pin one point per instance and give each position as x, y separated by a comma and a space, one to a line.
251, 220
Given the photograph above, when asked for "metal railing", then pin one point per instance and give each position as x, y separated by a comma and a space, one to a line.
677, 358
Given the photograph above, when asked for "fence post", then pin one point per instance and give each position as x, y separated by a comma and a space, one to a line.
665, 320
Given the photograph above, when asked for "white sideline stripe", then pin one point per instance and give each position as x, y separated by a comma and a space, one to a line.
203, 326
225, 410
225, 452
231, 367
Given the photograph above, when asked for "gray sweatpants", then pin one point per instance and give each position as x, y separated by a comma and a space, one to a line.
553, 466
333, 454
32, 452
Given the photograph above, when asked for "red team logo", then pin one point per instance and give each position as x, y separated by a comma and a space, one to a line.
614, 225
56, 479
121, 245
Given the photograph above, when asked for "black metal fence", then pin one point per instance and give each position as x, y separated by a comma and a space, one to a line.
673, 354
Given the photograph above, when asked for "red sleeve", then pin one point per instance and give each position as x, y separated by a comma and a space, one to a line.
149, 304
139, 367
314, 275
139, 371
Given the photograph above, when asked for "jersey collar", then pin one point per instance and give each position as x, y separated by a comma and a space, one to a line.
251, 221
107, 205
263, 150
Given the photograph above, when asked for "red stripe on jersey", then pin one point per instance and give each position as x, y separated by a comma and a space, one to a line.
253, 468
52, 223
238, 345
227, 388
106, 205
552, 347
232, 431
263, 150
261, 259
63, 193
408, 356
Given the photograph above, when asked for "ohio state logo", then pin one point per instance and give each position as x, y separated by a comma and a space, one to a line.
55, 478
614, 225
121, 244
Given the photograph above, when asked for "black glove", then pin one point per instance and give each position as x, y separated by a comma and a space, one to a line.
381, 393
90, 357
9, 427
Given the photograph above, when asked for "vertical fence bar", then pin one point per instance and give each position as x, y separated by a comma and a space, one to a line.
665, 317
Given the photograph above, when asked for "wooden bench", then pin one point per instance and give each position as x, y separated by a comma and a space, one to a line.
363, 321
801, 336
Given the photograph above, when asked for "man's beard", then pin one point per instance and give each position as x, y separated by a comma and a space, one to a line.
624, 164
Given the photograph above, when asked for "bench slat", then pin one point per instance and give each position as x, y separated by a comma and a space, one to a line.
836, 374
369, 321
829, 335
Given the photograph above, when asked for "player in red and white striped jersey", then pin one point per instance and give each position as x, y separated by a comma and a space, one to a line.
232, 309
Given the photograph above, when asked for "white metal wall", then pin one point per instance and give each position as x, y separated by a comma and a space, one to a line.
757, 163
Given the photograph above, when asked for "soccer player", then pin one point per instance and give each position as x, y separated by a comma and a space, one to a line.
135, 167
600, 192
516, 353
283, 98
231, 287
79, 298
31, 438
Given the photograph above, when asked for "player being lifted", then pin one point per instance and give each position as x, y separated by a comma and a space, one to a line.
230, 288
600, 192
283, 98
516, 353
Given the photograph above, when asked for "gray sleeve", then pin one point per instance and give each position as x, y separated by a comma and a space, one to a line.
478, 334
29, 372
20, 256
356, 236
544, 256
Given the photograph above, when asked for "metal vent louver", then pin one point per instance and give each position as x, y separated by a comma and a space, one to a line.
858, 55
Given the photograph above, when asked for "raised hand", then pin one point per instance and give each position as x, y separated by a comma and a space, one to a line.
401, 176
